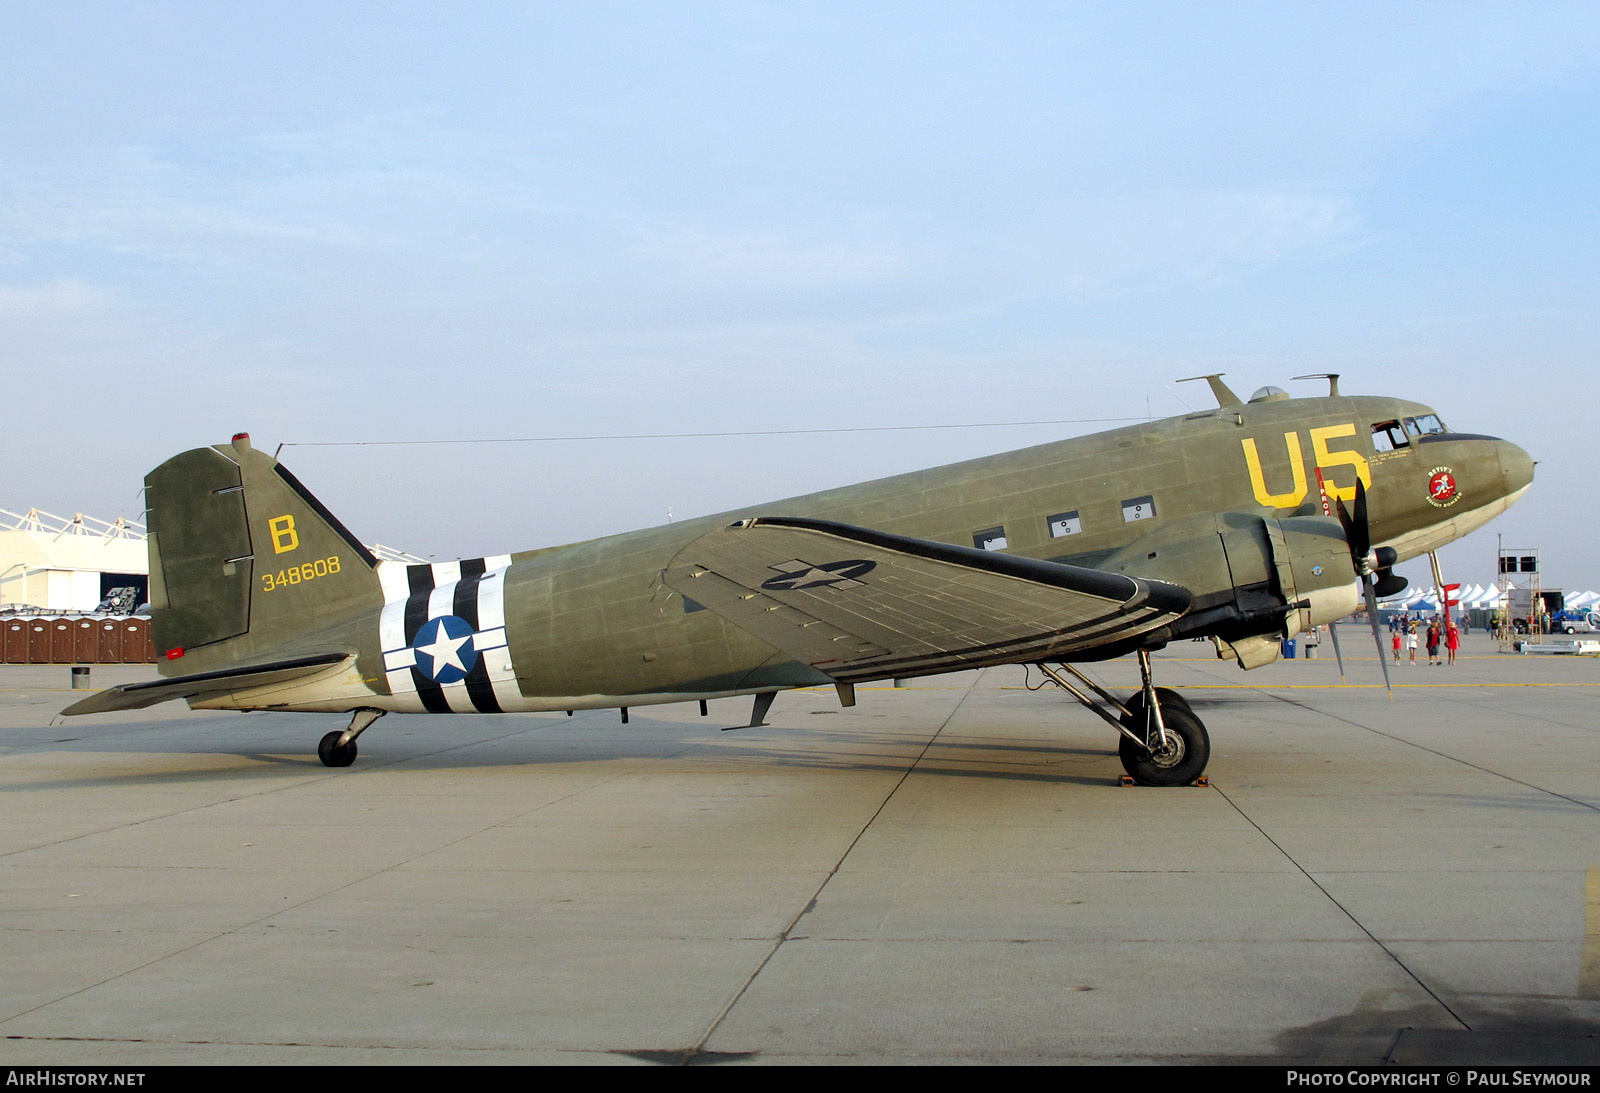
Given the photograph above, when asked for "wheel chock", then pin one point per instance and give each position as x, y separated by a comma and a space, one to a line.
1127, 780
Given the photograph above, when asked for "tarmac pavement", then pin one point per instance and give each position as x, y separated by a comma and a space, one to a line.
945, 873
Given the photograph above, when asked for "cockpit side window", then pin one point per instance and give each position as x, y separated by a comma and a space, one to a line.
1388, 435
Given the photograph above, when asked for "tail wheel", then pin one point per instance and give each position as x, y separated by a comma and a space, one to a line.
1179, 761
332, 755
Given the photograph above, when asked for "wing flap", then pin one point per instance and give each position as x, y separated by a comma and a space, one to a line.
858, 604
136, 696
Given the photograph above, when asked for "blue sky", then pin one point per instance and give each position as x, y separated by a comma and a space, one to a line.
395, 222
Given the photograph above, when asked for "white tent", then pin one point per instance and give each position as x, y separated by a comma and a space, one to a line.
1476, 597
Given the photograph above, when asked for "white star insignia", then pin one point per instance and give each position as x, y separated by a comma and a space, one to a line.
445, 650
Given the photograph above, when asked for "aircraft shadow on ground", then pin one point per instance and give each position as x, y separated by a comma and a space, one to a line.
1506, 1030
539, 746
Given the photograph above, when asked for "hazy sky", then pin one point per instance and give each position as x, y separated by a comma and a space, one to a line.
325, 222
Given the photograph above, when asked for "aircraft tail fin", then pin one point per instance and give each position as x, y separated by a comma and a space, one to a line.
244, 561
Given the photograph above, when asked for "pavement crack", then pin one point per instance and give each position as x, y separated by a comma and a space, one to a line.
811, 903
1331, 898
1431, 751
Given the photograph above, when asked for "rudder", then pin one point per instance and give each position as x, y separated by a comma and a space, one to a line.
244, 561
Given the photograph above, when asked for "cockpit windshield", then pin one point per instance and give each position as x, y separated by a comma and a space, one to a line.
1388, 435
1425, 425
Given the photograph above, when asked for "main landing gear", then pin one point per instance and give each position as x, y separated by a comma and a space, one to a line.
1159, 739
338, 749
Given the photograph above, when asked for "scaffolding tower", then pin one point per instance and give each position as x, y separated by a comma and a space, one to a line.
1519, 570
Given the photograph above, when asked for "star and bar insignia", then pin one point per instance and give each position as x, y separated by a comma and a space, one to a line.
796, 575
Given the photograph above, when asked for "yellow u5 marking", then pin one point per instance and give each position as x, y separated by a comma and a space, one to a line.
1258, 480
284, 537
1326, 459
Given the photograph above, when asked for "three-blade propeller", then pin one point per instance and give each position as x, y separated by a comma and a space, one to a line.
1366, 562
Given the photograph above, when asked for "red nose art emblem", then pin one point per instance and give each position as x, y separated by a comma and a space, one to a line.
1442, 487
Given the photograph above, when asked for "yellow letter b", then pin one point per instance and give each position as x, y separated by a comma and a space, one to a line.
284, 537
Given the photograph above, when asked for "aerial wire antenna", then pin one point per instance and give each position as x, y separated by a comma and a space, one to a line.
698, 436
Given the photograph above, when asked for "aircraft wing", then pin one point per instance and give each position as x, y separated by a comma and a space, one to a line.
858, 604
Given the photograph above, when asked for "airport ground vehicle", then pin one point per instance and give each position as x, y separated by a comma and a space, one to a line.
1574, 622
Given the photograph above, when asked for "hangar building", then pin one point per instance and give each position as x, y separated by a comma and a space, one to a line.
54, 565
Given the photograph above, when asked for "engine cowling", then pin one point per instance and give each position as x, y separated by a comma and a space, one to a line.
1255, 579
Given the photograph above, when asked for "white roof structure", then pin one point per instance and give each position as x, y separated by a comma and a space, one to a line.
56, 562
393, 554
79, 525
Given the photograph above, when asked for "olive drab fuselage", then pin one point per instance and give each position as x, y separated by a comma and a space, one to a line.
1235, 504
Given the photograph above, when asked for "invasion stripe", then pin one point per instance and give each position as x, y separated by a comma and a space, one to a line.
473, 590
465, 605
421, 583
395, 580
492, 617
420, 579
468, 591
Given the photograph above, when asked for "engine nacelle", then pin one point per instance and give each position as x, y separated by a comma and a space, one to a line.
1313, 561
1255, 579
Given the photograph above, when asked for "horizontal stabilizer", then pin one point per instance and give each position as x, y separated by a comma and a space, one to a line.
858, 604
136, 696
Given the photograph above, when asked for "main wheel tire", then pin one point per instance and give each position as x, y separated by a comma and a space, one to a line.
1165, 695
1183, 759
332, 755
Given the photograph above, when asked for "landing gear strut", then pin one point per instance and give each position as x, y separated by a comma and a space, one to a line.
1159, 739
1177, 760
338, 749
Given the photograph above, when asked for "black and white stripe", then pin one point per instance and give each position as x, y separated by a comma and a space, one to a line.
473, 590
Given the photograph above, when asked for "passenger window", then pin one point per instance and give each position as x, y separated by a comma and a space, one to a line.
1139, 508
1388, 435
990, 539
1064, 523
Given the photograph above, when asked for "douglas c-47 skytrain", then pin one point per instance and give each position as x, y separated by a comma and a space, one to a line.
1244, 524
